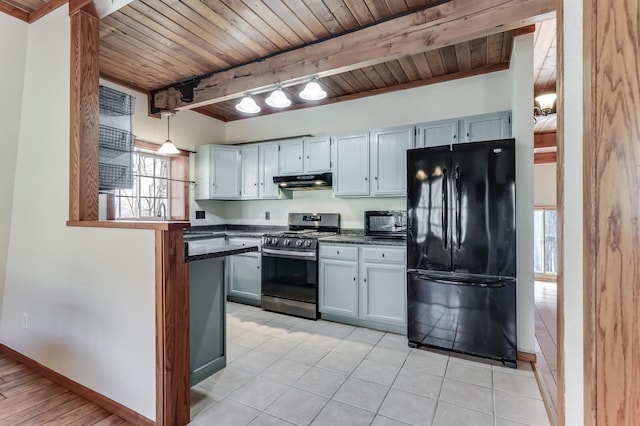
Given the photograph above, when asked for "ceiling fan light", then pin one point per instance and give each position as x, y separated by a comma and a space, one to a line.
546, 102
278, 99
313, 91
168, 148
248, 105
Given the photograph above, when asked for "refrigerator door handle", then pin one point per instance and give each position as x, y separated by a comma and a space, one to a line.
459, 283
458, 204
445, 213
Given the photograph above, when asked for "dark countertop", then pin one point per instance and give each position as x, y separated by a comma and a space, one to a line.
361, 239
220, 251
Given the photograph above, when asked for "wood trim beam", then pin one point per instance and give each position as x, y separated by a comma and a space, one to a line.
75, 387
526, 357
524, 30
172, 330
85, 106
45, 9
429, 29
544, 157
14, 11
544, 140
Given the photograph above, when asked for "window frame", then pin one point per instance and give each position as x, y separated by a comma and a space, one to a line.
545, 275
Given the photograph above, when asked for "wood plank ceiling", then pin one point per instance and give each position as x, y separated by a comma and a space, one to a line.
150, 44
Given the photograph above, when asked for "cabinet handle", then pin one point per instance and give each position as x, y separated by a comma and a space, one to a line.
337, 251
376, 178
213, 184
354, 278
262, 183
258, 267
382, 254
307, 157
365, 280
366, 178
299, 158
255, 184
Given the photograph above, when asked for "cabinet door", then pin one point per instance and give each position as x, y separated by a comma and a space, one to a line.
203, 171
269, 167
437, 133
317, 155
291, 157
250, 168
338, 287
351, 171
487, 127
383, 293
226, 172
389, 161
243, 275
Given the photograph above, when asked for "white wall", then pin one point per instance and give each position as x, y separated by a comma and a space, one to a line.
469, 96
13, 43
572, 262
544, 185
89, 293
521, 69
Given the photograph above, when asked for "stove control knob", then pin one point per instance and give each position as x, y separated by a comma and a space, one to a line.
299, 243
307, 243
274, 241
267, 240
286, 242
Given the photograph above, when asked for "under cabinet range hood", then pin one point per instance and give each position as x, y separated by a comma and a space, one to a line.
304, 182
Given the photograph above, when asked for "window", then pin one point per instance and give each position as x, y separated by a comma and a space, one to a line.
149, 197
545, 252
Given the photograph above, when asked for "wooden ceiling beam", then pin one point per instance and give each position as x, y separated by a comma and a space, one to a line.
14, 11
426, 30
544, 140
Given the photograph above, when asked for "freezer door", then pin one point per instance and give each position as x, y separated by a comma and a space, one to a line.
428, 218
473, 317
484, 208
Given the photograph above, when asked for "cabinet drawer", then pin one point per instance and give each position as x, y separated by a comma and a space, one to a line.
237, 241
383, 254
339, 251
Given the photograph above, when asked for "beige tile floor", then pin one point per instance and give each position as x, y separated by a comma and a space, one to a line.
283, 370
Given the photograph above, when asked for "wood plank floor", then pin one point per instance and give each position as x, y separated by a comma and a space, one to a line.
547, 339
27, 398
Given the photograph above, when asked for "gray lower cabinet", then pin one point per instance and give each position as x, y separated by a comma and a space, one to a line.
364, 285
206, 318
244, 275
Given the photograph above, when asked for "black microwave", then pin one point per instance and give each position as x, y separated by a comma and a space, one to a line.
385, 223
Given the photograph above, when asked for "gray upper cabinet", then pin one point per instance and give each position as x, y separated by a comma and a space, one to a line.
486, 127
437, 133
250, 171
389, 160
291, 152
317, 154
351, 171
269, 162
218, 172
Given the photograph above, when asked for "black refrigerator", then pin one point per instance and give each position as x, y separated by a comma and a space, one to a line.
461, 248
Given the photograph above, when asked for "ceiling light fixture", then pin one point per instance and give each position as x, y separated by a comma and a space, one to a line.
278, 99
248, 105
546, 103
168, 148
313, 91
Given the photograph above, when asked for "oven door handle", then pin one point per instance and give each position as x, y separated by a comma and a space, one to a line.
291, 254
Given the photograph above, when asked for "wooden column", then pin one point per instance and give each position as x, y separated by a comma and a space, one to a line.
172, 329
85, 107
612, 212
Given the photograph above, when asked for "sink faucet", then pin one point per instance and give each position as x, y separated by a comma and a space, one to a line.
162, 211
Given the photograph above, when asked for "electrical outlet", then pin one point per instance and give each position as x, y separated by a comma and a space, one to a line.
25, 320
200, 214
267, 215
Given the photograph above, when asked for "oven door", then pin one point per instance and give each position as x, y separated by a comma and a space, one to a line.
290, 282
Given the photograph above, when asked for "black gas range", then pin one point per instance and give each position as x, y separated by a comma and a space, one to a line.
290, 264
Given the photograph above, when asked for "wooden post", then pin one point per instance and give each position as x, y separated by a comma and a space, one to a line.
611, 212
85, 109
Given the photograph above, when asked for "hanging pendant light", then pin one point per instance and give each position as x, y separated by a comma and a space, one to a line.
168, 148
278, 99
313, 91
248, 105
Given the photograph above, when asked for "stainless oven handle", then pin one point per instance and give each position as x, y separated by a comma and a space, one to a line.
289, 253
